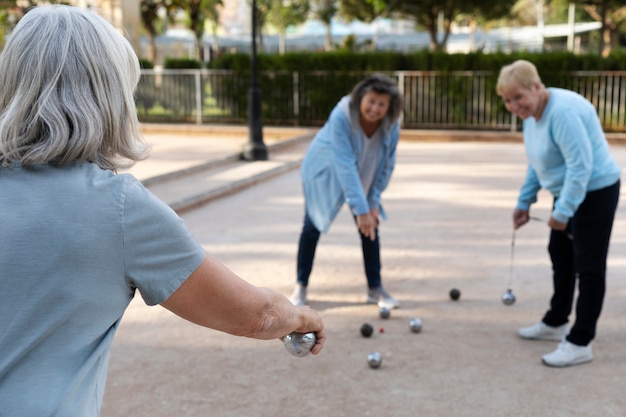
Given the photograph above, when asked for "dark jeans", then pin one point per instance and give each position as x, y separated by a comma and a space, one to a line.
581, 252
306, 253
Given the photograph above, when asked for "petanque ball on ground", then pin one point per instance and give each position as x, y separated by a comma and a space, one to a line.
415, 324
384, 312
455, 294
374, 360
367, 330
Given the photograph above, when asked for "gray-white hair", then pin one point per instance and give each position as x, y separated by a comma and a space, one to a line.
67, 80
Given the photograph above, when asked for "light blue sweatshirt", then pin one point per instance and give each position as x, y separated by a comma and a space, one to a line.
567, 153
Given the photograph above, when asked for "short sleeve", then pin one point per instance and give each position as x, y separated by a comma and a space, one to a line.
160, 252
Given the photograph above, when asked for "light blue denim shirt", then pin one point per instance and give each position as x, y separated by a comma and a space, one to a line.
568, 154
330, 173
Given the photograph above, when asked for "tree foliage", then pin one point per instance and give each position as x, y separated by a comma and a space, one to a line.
284, 13
612, 15
6, 12
11, 11
151, 11
362, 10
426, 13
325, 11
525, 12
197, 12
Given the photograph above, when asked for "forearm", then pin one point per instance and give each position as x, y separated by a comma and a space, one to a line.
529, 190
215, 297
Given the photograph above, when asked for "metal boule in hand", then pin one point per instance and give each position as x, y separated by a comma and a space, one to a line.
299, 344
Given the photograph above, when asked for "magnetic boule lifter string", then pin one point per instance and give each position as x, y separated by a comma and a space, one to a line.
508, 298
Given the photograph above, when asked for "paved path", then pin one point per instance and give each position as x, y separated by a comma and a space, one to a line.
449, 205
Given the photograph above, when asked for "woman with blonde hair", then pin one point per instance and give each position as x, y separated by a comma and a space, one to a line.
568, 155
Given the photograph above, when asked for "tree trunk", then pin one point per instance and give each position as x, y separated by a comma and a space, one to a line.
199, 49
606, 41
281, 43
152, 50
328, 42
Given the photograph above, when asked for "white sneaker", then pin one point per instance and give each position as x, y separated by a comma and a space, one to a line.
568, 354
382, 298
541, 331
298, 297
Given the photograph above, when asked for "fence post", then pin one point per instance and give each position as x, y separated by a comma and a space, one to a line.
198, 98
513, 122
401, 89
296, 97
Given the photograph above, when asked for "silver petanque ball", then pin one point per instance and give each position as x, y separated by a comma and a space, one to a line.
384, 312
415, 324
299, 344
508, 298
374, 360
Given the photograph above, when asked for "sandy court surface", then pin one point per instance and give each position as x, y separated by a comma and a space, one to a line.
178, 149
449, 207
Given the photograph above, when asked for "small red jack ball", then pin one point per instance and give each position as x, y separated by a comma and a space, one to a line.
382, 330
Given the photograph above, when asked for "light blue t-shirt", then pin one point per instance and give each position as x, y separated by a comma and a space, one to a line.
567, 153
75, 244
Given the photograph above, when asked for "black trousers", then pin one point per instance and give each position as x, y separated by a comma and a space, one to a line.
580, 253
308, 244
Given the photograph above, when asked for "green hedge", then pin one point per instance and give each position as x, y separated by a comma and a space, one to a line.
418, 61
317, 80
181, 63
342, 61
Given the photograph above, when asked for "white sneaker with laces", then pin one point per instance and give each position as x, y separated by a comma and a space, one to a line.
568, 354
382, 298
298, 297
541, 331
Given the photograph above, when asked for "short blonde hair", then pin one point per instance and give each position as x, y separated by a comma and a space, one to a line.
67, 80
520, 73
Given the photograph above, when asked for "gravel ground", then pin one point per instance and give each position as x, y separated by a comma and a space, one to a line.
449, 226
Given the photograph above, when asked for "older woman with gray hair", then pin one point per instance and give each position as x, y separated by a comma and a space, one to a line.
568, 155
78, 240
351, 160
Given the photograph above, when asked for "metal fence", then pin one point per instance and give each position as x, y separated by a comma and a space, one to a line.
432, 99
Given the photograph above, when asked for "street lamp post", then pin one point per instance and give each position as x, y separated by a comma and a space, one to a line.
255, 149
